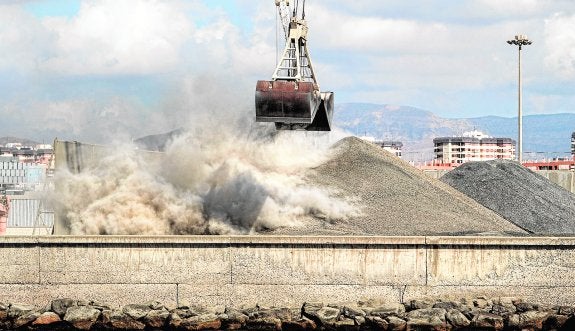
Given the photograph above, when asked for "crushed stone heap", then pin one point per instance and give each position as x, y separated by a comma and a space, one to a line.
394, 198
518, 194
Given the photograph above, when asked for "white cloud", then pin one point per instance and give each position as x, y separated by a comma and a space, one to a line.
23, 40
244, 51
120, 37
368, 34
560, 45
409, 54
511, 7
432, 54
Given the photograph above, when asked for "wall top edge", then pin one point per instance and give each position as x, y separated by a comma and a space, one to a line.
216, 240
293, 240
500, 241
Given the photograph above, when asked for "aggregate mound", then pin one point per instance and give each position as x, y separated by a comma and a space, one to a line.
394, 198
521, 196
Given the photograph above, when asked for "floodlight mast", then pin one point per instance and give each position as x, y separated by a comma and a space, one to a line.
520, 40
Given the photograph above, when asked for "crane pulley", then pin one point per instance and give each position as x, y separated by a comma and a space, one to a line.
292, 99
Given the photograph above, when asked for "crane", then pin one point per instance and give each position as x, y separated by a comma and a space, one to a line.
292, 98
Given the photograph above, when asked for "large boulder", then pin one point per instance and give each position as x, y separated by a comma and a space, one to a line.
17, 310
136, 311
432, 318
376, 323
156, 318
528, 320
302, 324
82, 317
265, 323
457, 319
59, 306
396, 324
420, 304
4, 322
328, 315
201, 322
389, 309
233, 319
116, 319
25, 319
47, 318
559, 322
487, 321
320, 314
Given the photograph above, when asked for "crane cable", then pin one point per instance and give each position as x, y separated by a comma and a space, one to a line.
303, 11
295, 8
277, 33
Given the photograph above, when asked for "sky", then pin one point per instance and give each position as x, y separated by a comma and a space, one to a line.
90, 69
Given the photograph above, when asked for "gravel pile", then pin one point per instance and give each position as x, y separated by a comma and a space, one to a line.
394, 198
518, 194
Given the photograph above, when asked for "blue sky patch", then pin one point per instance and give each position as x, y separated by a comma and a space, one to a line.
53, 8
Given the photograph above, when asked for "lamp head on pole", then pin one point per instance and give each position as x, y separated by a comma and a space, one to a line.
520, 40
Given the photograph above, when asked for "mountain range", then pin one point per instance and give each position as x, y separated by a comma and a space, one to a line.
23, 141
543, 135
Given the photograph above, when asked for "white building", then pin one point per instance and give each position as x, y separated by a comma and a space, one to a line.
391, 146
472, 146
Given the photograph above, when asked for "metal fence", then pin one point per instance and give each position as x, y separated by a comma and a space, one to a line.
29, 213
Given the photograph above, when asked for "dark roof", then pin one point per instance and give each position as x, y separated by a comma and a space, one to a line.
472, 140
389, 143
455, 140
25, 152
498, 140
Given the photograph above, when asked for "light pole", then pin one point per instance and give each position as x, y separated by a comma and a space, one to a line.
520, 40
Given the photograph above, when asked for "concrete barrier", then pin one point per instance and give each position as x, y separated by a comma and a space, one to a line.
563, 178
283, 271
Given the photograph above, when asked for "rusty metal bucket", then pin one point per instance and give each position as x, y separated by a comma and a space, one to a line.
293, 105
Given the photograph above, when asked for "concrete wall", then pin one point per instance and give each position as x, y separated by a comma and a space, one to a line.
563, 178
286, 271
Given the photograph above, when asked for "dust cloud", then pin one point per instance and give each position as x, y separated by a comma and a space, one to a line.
206, 182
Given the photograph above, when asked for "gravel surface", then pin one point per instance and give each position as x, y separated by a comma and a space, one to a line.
394, 198
518, 194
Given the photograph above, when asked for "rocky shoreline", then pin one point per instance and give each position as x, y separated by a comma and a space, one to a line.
465, 314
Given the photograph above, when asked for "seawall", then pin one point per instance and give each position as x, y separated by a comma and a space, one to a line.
284, 271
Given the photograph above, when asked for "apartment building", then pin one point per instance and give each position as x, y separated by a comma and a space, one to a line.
391, 146
472, 146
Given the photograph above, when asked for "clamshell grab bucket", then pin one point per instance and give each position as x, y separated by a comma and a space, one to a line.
293, 105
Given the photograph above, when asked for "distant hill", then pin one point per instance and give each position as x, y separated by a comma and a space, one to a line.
25, 142
541, 133
416, 128
549, 135
157, 142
